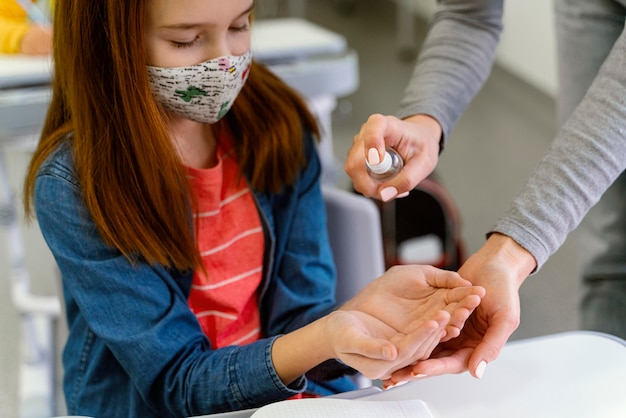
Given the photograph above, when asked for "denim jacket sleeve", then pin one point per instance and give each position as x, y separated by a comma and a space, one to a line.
134, 347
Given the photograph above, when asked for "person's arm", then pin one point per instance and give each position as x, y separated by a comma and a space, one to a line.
455, 60
588, 154
139, 321
586, 157
361, 341
453, 64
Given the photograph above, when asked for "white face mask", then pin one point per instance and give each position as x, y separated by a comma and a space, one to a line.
204, 92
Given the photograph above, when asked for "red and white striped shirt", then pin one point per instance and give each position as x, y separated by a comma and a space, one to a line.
230, 239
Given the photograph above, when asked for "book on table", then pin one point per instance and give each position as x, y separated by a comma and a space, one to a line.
344, 408
364, 403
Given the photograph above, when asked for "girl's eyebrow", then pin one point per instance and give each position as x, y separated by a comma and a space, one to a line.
187, 26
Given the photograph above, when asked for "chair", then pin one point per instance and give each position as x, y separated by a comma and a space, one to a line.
355, 238
355, 235
38, 314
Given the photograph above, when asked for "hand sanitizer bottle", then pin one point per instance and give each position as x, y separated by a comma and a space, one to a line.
391, 165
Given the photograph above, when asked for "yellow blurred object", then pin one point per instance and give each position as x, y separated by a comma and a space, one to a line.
15, 25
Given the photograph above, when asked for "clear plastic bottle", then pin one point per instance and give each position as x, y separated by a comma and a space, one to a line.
391, 165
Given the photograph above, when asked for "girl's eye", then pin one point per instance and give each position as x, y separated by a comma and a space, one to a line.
242, 28
184, 44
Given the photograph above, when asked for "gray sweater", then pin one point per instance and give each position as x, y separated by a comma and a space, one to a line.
588, 153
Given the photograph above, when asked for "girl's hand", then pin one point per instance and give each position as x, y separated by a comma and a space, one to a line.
406, 295
374, 348
392, 323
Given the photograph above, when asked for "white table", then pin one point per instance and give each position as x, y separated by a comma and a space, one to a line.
19, 70
24, 95
573, 374
577, 374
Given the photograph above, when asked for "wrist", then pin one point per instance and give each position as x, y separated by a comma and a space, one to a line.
431, 126
519, 259
297, 352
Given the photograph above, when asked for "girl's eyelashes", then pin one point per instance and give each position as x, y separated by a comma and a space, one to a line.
243, 28
184, 44
242, 24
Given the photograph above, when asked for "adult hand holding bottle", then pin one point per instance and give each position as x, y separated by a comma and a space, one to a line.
415, 138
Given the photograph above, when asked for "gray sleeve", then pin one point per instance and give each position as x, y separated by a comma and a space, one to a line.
454, 61
588, 154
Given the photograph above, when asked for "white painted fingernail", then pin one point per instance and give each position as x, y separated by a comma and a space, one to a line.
388, 193
405, 194
480, 369
394, 384
419, 375
372, 156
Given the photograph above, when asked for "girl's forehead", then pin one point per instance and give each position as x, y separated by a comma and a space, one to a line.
195, 12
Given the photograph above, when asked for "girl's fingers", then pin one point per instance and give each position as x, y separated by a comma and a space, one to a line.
422, 341
372, 348
459, 312
364, 353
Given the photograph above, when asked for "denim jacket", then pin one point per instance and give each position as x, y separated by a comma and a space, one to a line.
135, 348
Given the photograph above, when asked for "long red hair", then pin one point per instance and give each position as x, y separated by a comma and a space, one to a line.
132, 180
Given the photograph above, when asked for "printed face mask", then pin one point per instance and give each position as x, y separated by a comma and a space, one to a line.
204, 92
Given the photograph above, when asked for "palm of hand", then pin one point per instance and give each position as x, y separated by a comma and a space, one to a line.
408, 295
358, 332
487, 329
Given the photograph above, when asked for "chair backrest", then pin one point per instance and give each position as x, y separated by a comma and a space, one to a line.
355, 238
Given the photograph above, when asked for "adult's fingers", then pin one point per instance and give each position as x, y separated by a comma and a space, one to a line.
496, 336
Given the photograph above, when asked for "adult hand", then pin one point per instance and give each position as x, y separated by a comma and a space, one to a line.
37, 41
500, 266
416, 139
407, 295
